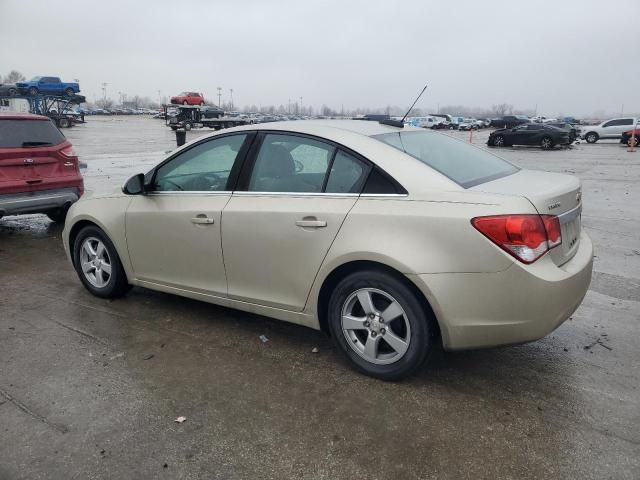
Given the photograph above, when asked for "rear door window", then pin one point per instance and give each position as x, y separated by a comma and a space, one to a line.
464, 164
29, 133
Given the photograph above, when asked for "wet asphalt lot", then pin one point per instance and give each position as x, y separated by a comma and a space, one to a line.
90, 388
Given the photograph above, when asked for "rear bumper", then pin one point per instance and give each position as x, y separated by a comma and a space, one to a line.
37, 202
520, 304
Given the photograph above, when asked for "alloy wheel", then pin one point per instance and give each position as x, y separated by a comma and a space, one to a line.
546, 143
498, 141
376, 326
95, 262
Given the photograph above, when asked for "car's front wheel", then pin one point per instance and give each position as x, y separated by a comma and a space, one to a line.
546, 143
498, 141
591, 137
633, 141
380, 325
185, 103
68, 92
33, 91
98, 265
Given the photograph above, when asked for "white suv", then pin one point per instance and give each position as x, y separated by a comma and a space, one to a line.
613, 128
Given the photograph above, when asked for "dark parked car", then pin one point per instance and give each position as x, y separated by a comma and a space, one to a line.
8, 89
509, 121
574, 131
530, 134
39, 171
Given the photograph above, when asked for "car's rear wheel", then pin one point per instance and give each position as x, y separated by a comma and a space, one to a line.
498, 141
58, 215
98, 265
380, 325
187, 126
202, 104
591, 137
185, 103
633, 141
33, 91
13, 92
68, 92
64, 123
546, 143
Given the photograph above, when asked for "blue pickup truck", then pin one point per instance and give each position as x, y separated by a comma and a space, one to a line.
47, 86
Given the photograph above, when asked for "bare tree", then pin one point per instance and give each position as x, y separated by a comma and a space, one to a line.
13, 77
502, 109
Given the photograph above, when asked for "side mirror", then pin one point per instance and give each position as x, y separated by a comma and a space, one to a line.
135, 185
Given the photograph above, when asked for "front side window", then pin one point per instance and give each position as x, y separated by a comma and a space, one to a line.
464, 164
289, 163
203, 168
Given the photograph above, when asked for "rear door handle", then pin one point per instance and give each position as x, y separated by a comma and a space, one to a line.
311, 223
202, 220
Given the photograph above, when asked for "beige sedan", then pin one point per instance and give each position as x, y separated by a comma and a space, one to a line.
389, 239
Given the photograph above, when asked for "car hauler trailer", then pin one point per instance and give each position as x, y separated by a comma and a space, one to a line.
194, 116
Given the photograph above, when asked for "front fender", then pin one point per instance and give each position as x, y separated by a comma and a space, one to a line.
109, 215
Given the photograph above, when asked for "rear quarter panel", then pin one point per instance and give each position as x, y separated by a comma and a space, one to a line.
431, 233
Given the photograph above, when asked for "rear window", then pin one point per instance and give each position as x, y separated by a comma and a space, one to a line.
29, 133
463, 163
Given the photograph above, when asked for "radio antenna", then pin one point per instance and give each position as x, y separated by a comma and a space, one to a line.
400, 123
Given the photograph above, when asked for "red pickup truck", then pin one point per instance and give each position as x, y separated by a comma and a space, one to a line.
628, 136
39, 171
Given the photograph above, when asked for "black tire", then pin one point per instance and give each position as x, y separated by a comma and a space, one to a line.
591, 137
202, 104
69, 92
33, 91
187, 126
58, 215
64, 123
421, 322
174, 128
13, 92
498, 141
546, 143
185, 103
634, 143
117, 284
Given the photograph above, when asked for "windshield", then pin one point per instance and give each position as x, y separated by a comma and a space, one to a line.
463, 163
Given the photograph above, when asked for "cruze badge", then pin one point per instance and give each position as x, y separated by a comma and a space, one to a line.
28, 161
554, 205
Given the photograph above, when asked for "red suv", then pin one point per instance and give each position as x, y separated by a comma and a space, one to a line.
188, 98
39, 171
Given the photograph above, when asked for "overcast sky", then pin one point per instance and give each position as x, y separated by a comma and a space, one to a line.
571, 56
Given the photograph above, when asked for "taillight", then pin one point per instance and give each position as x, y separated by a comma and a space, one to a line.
527, 237
68, 152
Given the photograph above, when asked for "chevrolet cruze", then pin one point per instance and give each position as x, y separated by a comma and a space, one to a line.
390, 239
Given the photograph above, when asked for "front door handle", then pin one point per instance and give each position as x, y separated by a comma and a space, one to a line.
311, 223
202, 220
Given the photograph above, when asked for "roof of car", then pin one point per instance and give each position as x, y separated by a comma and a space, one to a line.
362, 127
21, 116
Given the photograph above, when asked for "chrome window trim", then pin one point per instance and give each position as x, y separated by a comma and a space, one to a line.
570, 216
295, 194
392, 195
190, 192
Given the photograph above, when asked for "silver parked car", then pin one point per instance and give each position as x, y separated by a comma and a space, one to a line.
390, 239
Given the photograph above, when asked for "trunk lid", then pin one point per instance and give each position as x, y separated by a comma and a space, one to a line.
551, 194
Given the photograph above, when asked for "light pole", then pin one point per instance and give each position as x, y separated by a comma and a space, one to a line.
219, 95
301, 105
104, 91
